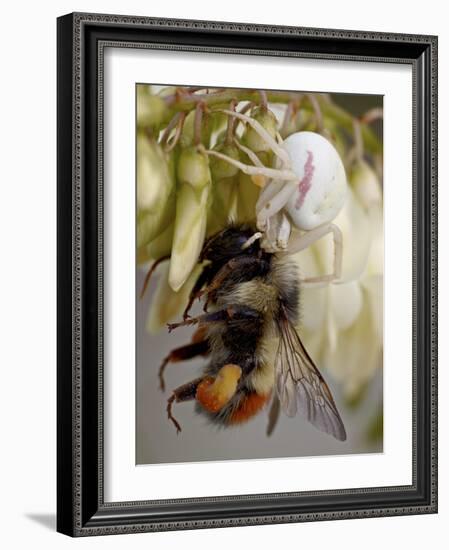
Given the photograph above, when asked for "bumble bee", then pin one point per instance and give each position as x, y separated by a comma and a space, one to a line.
251, 299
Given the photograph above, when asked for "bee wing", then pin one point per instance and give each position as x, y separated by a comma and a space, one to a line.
273, 415
300, 386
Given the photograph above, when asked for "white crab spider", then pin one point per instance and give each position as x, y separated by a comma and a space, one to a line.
306, 189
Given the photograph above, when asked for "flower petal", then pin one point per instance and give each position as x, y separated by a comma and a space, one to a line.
345, 303
313, 305
375, 264
358, 353
356, 229
366, 185
312, 300
374, 287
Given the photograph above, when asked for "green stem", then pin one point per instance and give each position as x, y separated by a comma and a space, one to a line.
186, 102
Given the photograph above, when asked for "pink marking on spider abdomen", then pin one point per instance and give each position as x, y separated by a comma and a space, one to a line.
306, 182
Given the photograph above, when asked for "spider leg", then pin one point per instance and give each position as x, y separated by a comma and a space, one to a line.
279, 138
277, 149
299, 242
277, 233
284, 231
255, 170
195, 293
267, 193
272, 202
251, 154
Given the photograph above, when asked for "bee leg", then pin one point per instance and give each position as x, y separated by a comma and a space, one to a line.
213, 393
170, 415
150, 272
210, 298
273, 415
186, 392
195, 293
182, 353
216, 316
233, 313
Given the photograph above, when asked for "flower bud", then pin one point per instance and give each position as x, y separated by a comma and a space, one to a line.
365, 184
151, 109
224, 190
248, 193
193, 168
220, 168
251, 138
154, 178
191, 218
155, 190
296, 122
224, 207
167, 91
188, 130
158, 247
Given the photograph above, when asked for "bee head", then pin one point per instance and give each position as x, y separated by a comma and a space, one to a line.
231, 242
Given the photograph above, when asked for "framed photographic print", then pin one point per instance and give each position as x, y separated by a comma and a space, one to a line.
247, 278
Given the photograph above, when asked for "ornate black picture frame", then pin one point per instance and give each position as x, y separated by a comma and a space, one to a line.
81, 510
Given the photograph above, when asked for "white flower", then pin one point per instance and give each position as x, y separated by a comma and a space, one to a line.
342, 323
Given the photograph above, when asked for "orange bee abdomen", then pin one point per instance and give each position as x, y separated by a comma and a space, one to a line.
248, 407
